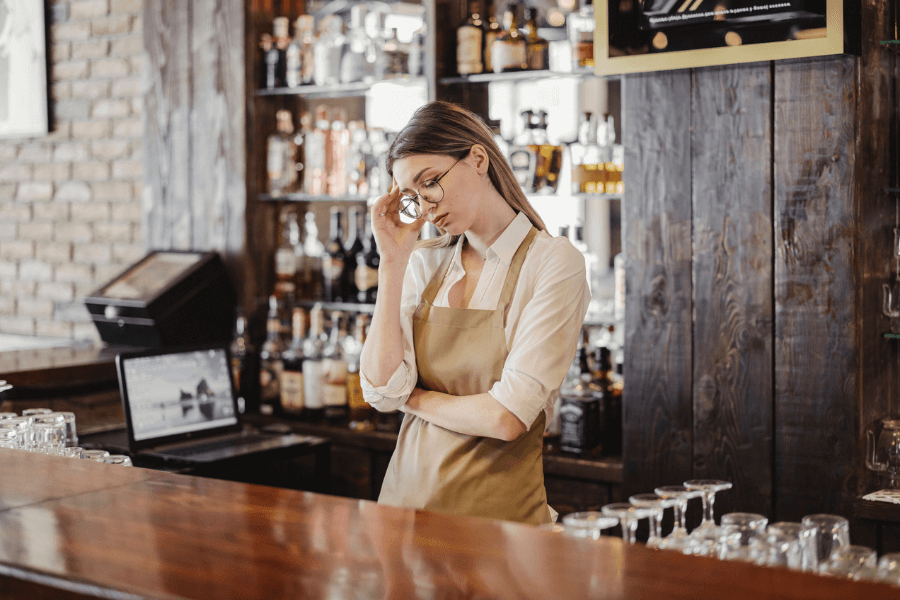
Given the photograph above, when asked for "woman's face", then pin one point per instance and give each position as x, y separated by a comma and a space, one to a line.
456, 212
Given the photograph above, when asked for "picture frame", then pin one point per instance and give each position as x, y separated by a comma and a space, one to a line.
635, 36
24, 110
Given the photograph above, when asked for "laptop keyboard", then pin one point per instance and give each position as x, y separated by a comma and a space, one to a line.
239, 440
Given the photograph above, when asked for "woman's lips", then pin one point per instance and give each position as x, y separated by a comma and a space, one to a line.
439, 219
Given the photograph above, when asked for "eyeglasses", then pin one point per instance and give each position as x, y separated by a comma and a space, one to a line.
430, 191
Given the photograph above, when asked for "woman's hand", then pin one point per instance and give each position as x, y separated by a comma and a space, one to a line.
395, 239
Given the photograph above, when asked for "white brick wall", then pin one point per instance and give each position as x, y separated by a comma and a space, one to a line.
70, 212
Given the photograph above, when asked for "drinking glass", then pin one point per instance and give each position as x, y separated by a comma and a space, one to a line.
33, 412
589, 524
829, 532
745, 527
49, 433
678, 539
803, 556
775, 549
708, 489
94, 454
7, 415
888, 570
655, 506
847, 561
9, 438
22, 425
71, 433
72, 452
628, 515
115, 459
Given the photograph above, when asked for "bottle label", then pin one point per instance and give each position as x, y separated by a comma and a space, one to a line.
275, 160
506, 56
292, 392
285, 263
334, 376
332, 267
468, 50
334, 395
354, 392
584, 53
313, 384
523, 161
366, 278
489, 39
292, 59
269, 376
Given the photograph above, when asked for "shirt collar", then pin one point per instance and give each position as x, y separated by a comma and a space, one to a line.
504, 246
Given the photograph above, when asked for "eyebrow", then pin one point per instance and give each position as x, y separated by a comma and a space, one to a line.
416, 178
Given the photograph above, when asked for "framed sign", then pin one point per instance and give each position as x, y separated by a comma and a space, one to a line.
23, 69
655, 35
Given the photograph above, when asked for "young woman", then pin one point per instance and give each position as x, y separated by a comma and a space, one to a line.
474, 331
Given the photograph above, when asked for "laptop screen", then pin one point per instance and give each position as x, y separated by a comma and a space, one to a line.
178, 393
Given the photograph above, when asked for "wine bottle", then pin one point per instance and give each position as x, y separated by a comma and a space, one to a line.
508, 52
355, 246
334, 374
361, 413
366, 275
292, 389
334, 259
270, 365
313, 382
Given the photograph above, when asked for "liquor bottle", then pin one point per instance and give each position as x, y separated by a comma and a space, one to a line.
334, 259
336, 163
366, 274
604, 379
269, 61
537, 49
522, 157
355, 245
241, 369
361, 413
305, 32
355, 65
313, 251
270, 364
508, 52
581, 410
292, 389
591, 260
327, 51
588, 167
553, 431
615, 166
417, 52
334, 367
470, 42
281, 155
549, 157
357, 181
281, 37
375, 29
580, 26
396, 56
286, 258
315, 148
313, 382
492, 30
293, 59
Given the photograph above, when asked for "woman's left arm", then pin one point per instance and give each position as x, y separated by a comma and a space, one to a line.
543, 346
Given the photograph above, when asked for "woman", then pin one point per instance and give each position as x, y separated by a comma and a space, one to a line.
472, 332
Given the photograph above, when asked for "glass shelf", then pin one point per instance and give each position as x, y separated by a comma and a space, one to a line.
517, 76
341, 306
311, 198
341, 90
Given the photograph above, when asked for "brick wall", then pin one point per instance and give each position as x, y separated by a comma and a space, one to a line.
70, 210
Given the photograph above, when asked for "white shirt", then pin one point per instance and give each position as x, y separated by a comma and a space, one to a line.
543, 322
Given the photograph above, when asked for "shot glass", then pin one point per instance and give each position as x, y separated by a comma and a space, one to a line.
115, 459
72, 452
830, 532
33, 412
94, 454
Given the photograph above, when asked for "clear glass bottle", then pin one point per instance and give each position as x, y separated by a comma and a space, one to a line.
338, 147
313, 368
335, 373
286, 257
357, 181
270, 365
492, 30
355, 65
315, 151
417, 52
396, 56
293, 61
376, 31
588, 167
334, 260
580, 27
508, 52
522, 155
470, 42
241, 350
281, 156
306, 34
361, 413
537, 49
292, 388
313, 251
328, 50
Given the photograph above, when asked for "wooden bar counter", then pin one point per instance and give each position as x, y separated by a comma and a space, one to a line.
78, 529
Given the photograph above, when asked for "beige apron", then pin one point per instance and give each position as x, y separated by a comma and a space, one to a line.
462, 352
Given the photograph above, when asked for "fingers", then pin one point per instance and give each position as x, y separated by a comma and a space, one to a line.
388, 204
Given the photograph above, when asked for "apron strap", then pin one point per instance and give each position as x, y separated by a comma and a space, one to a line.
515, 266
437, 279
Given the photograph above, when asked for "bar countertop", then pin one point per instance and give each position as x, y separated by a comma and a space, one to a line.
79, 529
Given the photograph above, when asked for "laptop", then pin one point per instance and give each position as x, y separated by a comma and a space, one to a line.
181, 405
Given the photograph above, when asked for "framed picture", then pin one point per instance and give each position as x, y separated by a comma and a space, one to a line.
23, 69
655, 35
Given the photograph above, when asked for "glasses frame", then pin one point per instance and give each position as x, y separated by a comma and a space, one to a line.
407, 201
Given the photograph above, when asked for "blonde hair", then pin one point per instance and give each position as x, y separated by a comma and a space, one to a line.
449, 129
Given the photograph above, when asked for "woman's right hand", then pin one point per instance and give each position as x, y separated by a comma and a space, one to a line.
395, 239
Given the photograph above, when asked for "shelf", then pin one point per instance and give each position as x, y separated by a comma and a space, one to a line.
516, 76
341, 306
341, 90
310, 198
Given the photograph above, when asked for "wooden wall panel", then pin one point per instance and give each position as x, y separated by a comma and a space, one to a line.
732, 282
657, 402
816, 287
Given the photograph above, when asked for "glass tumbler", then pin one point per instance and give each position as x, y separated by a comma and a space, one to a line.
588, 524
7, 415
71, 433
829, 532
72, 452
33, 412
115, 459
49, 433
847, 561
94, 454
22, 425
9, 438
744, 527
802, 555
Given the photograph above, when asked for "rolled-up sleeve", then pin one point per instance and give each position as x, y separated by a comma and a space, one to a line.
546, 335
396, 391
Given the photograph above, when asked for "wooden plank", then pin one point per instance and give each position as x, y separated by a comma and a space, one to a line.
816, 297
732, 267
167, 220
657, 403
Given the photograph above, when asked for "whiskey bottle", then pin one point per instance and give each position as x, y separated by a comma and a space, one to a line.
305, 32
537, 49
355, 65
616, 162
580, 26
396, 56
588, 167
293, 58
355, 245
548, 157
328, 50
470, 42
334, 367
361, 413
491, 31
604, 379
281, 156
508, 52
336, 163
241, 350
313, 368
281, 37
270, 365
286, 258
315, 150
313, 251
366, 274
292, 389
522, 156
334, 259
581, 410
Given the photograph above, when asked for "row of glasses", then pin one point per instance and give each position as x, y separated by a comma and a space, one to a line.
41, 430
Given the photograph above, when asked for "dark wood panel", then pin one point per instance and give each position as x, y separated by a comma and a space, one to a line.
167, 146
732, 282
657, 403
816, 297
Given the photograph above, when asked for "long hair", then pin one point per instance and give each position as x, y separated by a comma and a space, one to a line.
446, 128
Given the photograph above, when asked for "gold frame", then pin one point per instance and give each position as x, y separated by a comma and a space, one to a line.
832, 43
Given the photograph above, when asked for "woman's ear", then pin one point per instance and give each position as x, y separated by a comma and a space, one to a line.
479, 159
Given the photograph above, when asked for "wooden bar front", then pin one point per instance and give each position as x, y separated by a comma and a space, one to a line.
76, 529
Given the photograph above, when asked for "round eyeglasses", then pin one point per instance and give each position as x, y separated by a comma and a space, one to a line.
430, 191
